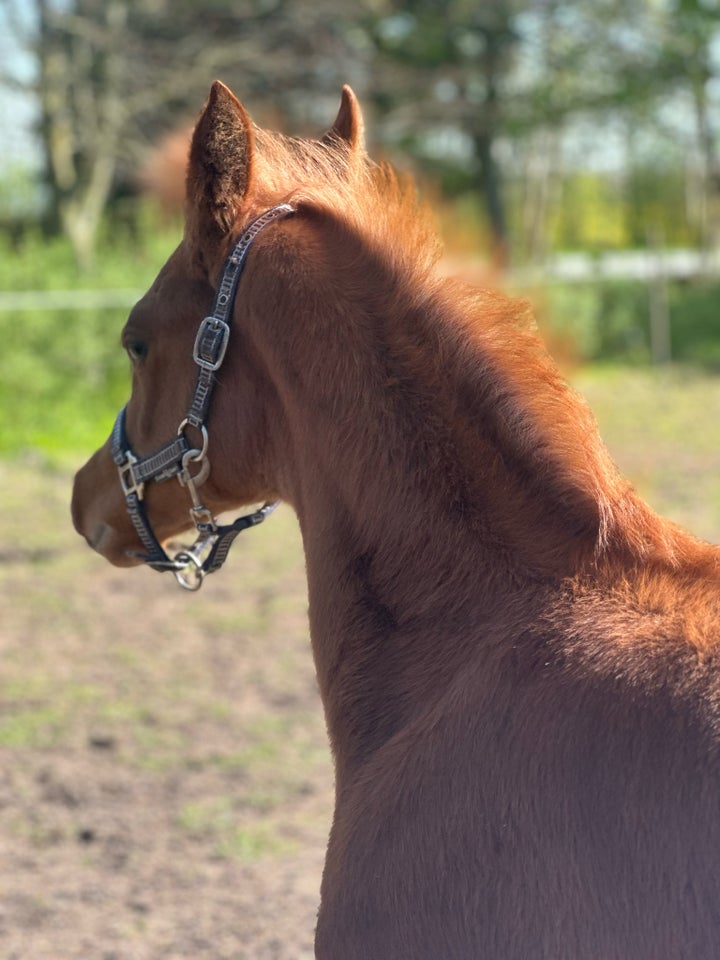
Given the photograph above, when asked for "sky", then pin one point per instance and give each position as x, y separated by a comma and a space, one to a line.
18, 113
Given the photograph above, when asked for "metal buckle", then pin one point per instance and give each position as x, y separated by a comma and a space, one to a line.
128, 481
221, 336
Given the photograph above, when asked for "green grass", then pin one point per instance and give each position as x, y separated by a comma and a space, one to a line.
661, 427
37, 712
218, 821
62, 372
31, 728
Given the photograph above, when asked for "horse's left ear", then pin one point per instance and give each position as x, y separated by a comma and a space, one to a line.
220, 165
349, 125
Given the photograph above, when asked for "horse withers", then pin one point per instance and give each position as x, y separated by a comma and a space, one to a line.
518, 660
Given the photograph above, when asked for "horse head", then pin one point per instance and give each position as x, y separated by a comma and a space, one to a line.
233, 448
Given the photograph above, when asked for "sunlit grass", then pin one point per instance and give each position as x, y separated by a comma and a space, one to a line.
662, 427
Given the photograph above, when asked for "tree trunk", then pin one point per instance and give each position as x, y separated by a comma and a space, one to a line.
491, 189
82, 116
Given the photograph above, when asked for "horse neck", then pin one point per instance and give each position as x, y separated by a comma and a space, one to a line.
421, 421
435, 492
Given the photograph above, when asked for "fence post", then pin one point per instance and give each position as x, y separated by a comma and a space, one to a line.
659, 302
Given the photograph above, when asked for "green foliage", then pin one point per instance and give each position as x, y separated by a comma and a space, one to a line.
695, 322
610, 320
463, 87
63, 375
19, 194
656, 208
590, 214
600, 321
644, 206
62, 372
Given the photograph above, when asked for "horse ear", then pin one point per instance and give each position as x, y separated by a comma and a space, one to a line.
349, 125
220, 165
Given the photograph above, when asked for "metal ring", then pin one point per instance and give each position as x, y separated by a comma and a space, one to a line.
197, 454
191, 575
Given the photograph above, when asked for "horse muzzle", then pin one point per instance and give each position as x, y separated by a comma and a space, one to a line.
98, 511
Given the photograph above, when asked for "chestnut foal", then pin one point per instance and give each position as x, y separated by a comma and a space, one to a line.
517, 659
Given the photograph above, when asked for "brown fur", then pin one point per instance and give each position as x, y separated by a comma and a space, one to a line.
518, 660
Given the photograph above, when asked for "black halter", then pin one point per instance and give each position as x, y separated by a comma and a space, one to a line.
173, 459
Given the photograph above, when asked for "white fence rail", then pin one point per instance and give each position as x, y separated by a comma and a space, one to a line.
640, 265
23, 300
581, 267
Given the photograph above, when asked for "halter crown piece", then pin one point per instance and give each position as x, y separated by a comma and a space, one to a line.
173, 459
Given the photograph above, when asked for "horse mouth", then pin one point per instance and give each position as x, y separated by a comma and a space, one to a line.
103, 540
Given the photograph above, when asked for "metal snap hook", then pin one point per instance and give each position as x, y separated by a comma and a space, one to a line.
189, 564
185, 478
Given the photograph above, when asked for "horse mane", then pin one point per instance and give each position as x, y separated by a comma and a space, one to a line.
372, 198
489, 340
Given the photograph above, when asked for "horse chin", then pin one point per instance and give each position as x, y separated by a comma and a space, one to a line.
105, 541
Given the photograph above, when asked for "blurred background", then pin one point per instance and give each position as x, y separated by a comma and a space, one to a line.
165, 785
570, 146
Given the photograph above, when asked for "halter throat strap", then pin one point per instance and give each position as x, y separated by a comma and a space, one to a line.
175, 457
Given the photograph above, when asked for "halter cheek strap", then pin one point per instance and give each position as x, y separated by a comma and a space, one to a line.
175, 457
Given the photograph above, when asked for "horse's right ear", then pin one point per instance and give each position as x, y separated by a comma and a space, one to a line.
220, 165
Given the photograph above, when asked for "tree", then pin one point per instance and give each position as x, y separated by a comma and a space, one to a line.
476, 77
82, 112
442, 67
689, 57
113, 74
452, 82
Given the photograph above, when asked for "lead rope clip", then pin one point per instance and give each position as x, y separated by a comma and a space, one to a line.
189, 569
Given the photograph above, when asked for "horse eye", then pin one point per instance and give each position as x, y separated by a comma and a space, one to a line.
137, 351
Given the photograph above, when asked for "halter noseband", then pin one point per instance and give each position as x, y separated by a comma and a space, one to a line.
174, 458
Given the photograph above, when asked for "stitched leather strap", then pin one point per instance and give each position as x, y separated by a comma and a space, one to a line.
227, 534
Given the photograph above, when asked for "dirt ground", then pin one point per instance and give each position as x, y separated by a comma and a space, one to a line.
165, 784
